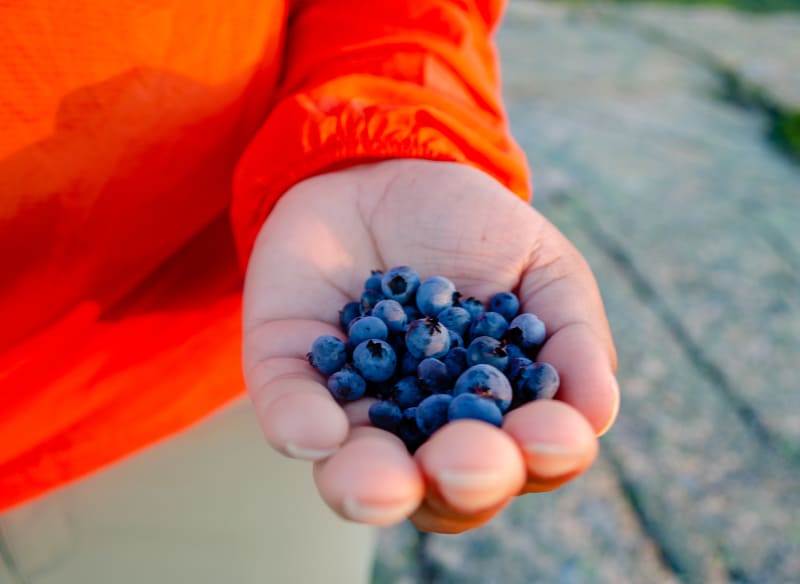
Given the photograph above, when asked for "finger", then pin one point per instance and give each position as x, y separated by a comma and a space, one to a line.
559, 288
371, 479
470, 467
297, 413
428, 517
557, 443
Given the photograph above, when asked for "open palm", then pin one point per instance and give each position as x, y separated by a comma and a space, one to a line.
313, 255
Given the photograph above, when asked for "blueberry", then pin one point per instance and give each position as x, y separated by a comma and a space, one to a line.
487, 350
347, 385
456, 318
374, 281
434, 376
473, 306
474, 407
328, 354
350, 311
400, 283
537, 381
485, 381
505, 304
434, 295
392, 314
426, 337
375, 360
526, 330
409, 431
490, 324
385, 415
432, 412
456, 361
407, 392
367, 327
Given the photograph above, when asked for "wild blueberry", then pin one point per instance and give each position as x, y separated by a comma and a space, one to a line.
473, 306
455, 339
515, 365
374, 281
514, 351
505, 304
412, 312
490, 324
434, 295
432, 412
391, 312
328, 354
456, 318
375, 360
456, 361
385, 415
367, 327
426, 337
347, 385
526, 330
369, 298
350, 311
474, 407
409, 364
400, 283
487, 350
485, 381
407, 392
537, 381
433, 375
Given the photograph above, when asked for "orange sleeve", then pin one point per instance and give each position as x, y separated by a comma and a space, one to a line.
375, 79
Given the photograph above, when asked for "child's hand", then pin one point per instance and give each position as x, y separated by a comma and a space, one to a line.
313, 255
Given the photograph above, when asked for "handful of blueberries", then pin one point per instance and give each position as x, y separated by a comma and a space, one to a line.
429, 356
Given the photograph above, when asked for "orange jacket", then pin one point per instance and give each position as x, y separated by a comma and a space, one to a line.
143, 143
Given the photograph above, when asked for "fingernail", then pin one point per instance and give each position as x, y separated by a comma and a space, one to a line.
301, 453
613, 417
471, 490
552, 460
383, 515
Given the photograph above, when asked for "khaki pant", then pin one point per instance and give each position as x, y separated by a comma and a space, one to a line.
212, 505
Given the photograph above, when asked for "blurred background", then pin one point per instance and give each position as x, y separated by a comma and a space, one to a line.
664, 140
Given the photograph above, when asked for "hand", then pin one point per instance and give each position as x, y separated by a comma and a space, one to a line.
312, 256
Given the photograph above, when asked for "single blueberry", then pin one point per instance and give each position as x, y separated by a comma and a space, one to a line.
328, 354
456, 318
409, 364
505, 304
527, 331
434, 376
537, 381
487, 350
434, 295
367, 327
515, 365
374, 281
350, 311
400, 283
375, 360
432, 412
385, 415
456, 361
407, 392
412, 312
347, 385
490, 324
485, 381
392, 314
426, 337
474, 407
